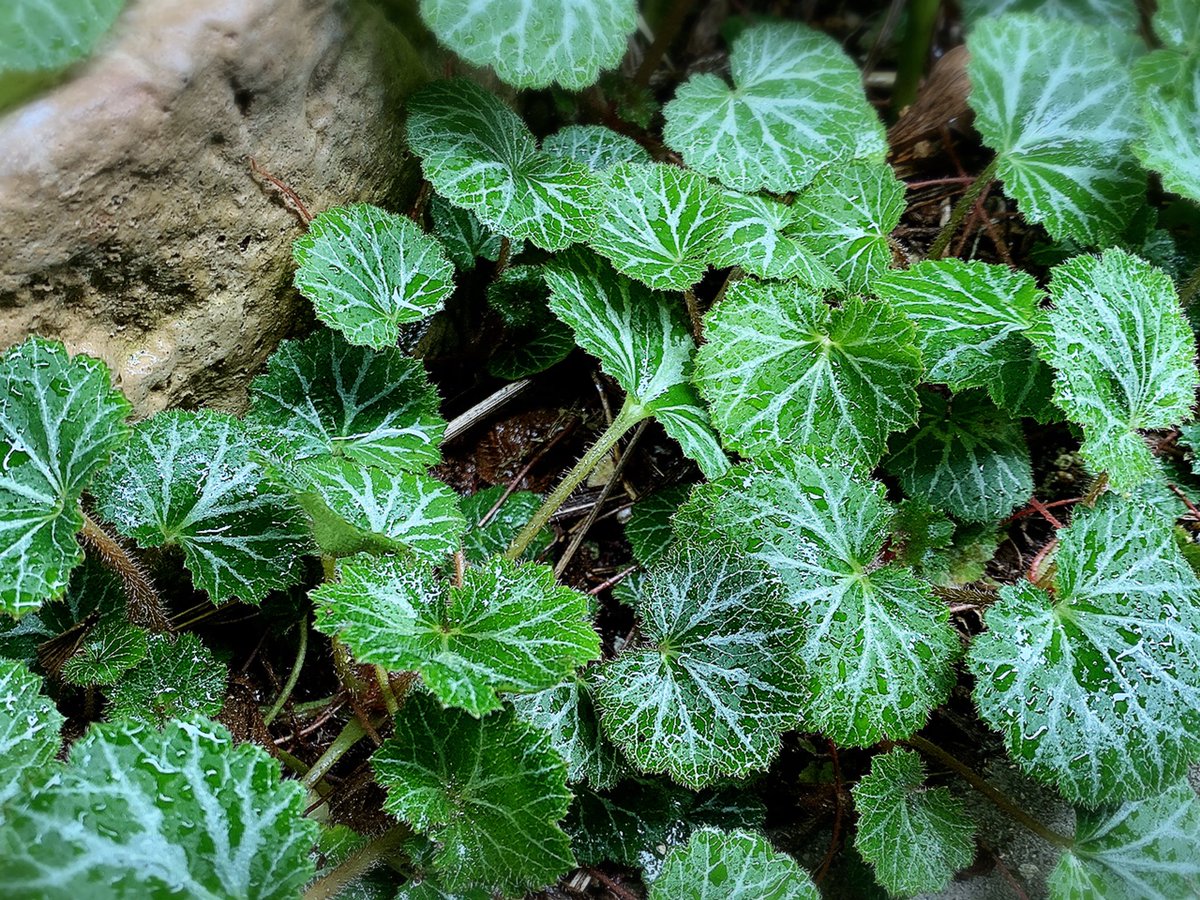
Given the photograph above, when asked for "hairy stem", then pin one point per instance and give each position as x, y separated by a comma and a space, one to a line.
961, 208
629, 416
385, 688
293, 676
914, 51
1191, 287
358, 862
350, 735
145, 607
1002, 802
668, 28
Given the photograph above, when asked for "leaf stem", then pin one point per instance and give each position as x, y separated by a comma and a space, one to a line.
630, 414
350, 735
357, 863
385, 688
293, 676
961, 208
145, 607
914, 51
668, 28
1001, 801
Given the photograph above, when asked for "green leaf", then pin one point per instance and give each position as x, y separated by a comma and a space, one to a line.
877, 646
765, 238
49, 34
1055, 101
179, 678
659, 224
964, 456
797, 107
568, 713
642, 341
60, 419
914, 837
187, 480
508, 628
324, 397
1145, 850
490, 791
183, 812
462, 235
484, 541
738, 865
711, 687
109, 651
1124, 357
595, 146
1096, 687
479, 155
1177, 24
1168, 89
846, 216
649, 527
781, 367
368, 272
29, 730
1121, 14
536, 339
536, 43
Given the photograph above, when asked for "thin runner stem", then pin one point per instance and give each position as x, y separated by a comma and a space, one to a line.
358, 863
293, 676
964, 205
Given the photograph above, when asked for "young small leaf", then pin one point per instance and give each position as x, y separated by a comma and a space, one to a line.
187, 479
536, 43
1096, 688
368, 271
737, 865
107, 652
462, 235
179, 678
29, 729
1124, 357
484, 541
595, 146
49, 34
765, 238
914, 837
490, 791
479, 155
797, 107
508, 628
324, 397
711, 690
60, 419
536, 339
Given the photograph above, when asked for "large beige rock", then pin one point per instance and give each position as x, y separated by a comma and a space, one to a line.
131, 226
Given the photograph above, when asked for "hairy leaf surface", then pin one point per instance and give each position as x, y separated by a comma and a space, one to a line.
178, 678
765, 238
485, 540
462, 235
715, 865
1168, 89
595, 146
29, 730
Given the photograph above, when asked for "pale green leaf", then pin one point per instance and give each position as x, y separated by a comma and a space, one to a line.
188, 480
649, 527
1168, 88
180, 677
737, 865
1055, 101
1177, 24
49, 34
595, 146
487, 539
914, 837
781, 367
462, 235
60, 419
479, 155
764, 238
368, 271
140, 813
109, 651
964, 456
508, 628
796, 107
29, 730
324, 397
536, 43
489, 791
1124, 357
1096, 688
1118, 13
710, 687
659, 224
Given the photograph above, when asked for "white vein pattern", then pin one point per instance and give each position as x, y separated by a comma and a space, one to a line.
1096, 689
1056, 103
29, 729
1169, 97
1117, 13
720, 865
536, 43
183, 811
797, 107
1177, 24
462, 235
764, 237
368, 271
595, 146
47, 34
479, 155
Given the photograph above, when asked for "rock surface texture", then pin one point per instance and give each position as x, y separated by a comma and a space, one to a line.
131, 226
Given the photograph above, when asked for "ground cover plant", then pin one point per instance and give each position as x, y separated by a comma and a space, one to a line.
883, 475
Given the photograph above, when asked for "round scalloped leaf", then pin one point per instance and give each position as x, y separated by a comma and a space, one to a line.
1055, 101
1144, 850
914, 837
479, 155
1168, 89
60, 419
489, 791
734, 865
187, 479
509, 628
536, 43
368, 272
659, 224
1096, 688
49, 34
179, 677
797, 106
764, 238
877, 647
324, 397
182, 812
781, 367
30, 727
964, 456
712, 687
462, 235
648, 529
642, 341
1124, 357
595, 146
107, 652
1119, 13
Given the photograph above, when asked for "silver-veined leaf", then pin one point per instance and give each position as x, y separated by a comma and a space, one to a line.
1177, 24
30, 727
106, 653
649, 527
486, 539
764, 237
178, 678
49, 34
462, 235
595, 146
736, 865
1118, 13
1168, 89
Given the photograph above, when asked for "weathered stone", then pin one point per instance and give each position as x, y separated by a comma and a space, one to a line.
131, 226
